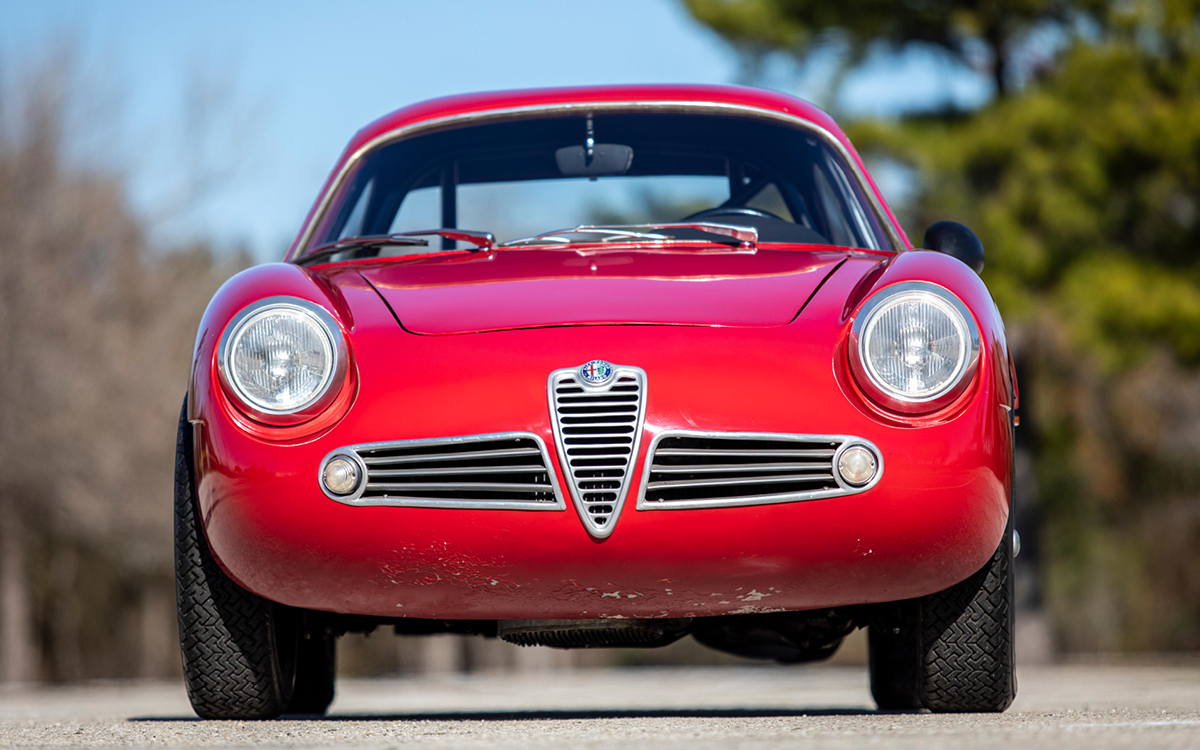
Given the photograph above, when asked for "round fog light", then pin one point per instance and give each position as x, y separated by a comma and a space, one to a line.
340, 476
856, 465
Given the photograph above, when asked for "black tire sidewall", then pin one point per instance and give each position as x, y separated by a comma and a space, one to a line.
238, 649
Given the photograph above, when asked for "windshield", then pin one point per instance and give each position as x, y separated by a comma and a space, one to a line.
527, 177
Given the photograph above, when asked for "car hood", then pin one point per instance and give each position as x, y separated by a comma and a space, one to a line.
531, 288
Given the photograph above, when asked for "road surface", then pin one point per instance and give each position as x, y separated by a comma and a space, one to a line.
1060, 707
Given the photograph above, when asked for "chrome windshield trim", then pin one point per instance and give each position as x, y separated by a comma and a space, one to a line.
355, 498
843, 489
718, 108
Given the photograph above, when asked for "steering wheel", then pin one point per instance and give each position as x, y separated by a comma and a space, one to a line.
713, 213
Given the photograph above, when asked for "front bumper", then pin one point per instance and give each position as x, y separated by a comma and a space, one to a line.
935, 516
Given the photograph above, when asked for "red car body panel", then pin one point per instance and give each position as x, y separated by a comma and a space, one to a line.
533, 288
728, 341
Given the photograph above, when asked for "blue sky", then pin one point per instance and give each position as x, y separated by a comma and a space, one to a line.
302, 77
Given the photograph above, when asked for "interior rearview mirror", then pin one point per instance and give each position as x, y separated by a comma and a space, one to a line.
600, 160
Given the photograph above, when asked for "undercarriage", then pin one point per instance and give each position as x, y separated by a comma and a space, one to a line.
784, 637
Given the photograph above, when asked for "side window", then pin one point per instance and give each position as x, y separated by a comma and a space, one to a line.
420, 209
835, 216
854, 204
354, 222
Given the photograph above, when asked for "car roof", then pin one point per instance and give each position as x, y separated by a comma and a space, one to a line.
463, 104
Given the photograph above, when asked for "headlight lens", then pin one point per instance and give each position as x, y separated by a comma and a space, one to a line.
281, 357
915, 343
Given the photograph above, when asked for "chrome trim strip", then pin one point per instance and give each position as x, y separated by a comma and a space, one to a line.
719, 108
771, 479
386, 474
773, 499
481, 486
599, 532
356, 499
735, 453
449, 456
746, 236
719, 468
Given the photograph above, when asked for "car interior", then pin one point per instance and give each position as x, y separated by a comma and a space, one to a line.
539, 174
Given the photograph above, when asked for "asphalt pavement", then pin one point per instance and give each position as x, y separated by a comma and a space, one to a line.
1058, 707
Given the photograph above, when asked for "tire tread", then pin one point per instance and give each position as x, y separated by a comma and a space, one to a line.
230, 665
967, 640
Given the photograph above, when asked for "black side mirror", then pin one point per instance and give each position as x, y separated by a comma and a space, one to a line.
957, 241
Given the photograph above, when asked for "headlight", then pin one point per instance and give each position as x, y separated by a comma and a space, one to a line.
913, 347
282, 357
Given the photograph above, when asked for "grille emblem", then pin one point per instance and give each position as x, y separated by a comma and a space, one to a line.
598, 409
596, 372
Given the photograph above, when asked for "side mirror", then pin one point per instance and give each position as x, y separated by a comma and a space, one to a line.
957, 241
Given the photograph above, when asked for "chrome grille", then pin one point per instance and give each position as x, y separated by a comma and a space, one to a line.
686, 469
598, 430
502, 471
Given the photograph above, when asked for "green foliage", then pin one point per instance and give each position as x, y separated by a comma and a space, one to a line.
1121, 309
763, 24
962, 28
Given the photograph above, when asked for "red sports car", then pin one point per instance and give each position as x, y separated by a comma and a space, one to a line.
601, 367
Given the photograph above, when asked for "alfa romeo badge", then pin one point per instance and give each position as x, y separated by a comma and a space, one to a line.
596, 372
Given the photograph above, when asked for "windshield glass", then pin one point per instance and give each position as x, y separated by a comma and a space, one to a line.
525, 177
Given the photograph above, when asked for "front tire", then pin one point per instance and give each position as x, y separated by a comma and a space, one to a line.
239, 650
950, 652
968, 660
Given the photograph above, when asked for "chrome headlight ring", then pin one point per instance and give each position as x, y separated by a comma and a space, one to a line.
895, 335
326, 336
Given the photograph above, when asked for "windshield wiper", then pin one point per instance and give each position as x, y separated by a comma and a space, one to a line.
607, 234
727, 233
478, 240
